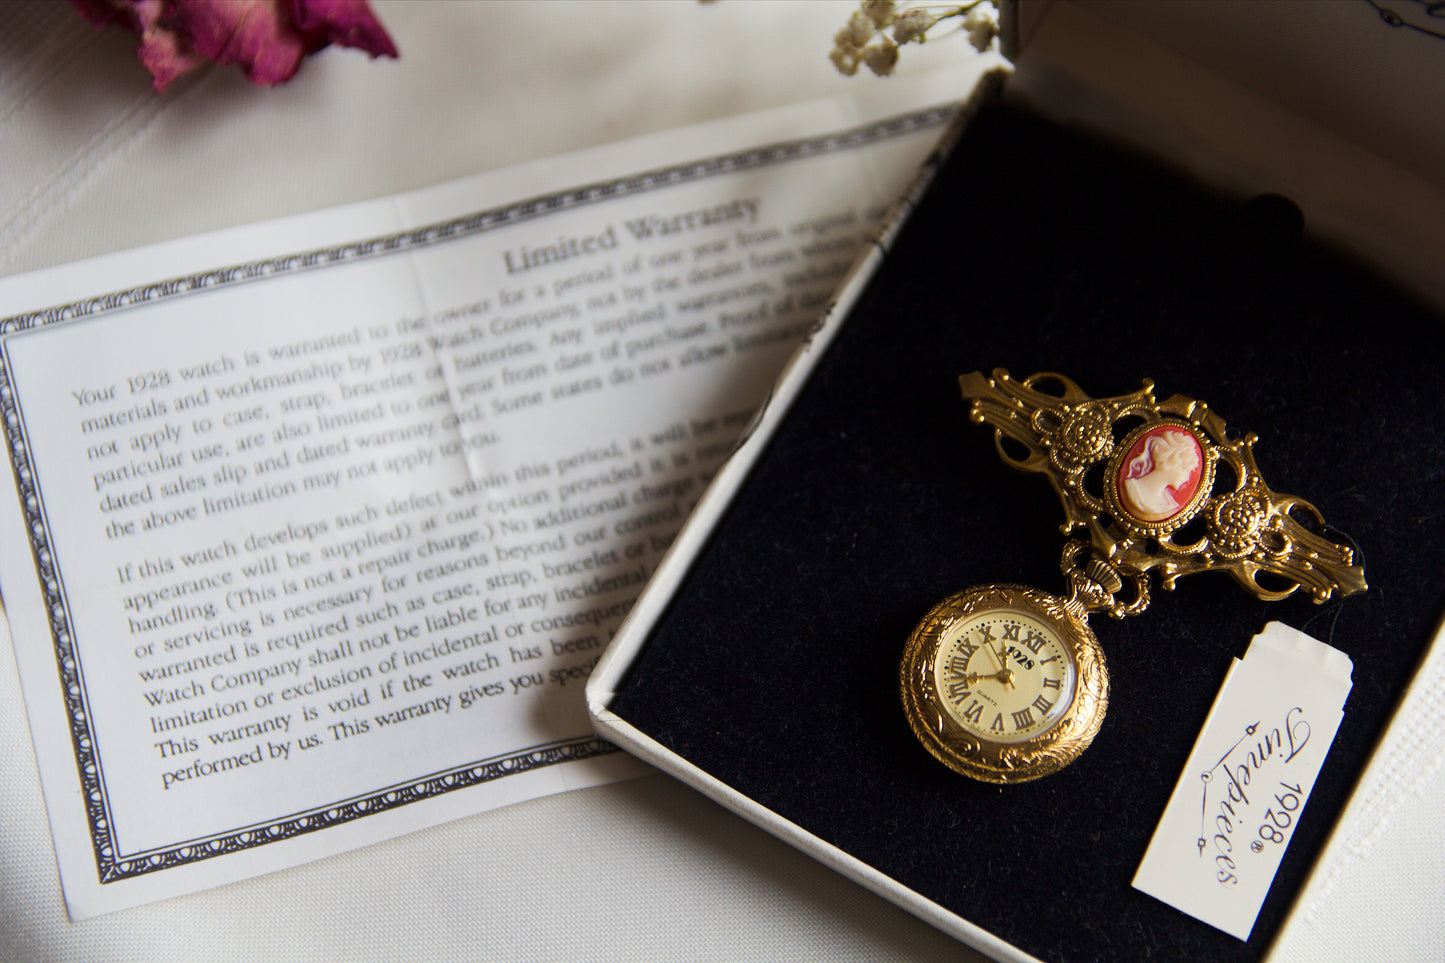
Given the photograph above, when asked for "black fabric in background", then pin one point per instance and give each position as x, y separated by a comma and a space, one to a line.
776, 667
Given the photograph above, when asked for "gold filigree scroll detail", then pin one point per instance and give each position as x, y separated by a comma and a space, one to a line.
1076, 441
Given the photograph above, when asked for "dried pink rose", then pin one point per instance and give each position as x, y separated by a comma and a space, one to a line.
266, 38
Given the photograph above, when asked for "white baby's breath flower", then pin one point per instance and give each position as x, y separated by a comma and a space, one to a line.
981, 25
912, 25
881, 56
858, 30
863, 39
846, 58
879, 11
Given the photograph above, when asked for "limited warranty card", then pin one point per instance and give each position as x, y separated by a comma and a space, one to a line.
1233, 812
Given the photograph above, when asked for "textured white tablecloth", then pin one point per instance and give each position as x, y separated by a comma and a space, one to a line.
94, 161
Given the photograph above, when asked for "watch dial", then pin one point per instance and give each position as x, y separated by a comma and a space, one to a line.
1004, 676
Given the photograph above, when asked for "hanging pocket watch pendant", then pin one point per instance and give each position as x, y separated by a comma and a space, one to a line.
1006, 683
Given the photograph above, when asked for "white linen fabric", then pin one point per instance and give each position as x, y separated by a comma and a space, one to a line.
95, 162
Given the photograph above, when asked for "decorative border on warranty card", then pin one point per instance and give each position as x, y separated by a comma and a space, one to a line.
480, 222
299, 824
112, 865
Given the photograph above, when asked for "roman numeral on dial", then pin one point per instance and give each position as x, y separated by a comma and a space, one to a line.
958, 691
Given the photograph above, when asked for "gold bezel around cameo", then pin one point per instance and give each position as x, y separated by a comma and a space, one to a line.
1163, 506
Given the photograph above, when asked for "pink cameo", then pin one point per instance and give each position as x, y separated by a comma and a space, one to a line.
1160, 474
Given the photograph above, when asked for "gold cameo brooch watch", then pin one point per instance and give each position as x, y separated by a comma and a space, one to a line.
1006, 683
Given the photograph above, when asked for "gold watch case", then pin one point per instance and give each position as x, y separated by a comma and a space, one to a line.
1004, 683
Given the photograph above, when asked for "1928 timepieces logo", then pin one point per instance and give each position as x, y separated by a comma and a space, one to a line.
1250, 774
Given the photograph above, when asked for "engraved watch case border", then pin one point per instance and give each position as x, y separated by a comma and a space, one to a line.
997, 762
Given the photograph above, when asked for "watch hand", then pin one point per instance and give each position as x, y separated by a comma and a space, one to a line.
1006, 675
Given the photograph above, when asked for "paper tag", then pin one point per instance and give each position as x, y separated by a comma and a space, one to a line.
1217, 847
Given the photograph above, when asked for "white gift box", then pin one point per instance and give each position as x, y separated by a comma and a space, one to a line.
1240, 118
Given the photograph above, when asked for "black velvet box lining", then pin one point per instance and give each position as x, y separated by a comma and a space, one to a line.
775, 667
